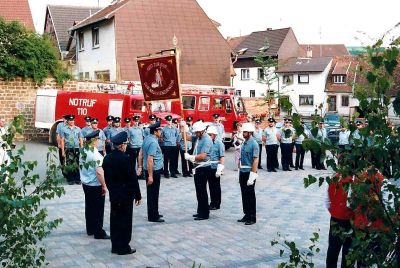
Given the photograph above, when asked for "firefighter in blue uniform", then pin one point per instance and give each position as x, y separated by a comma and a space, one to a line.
219, 126
175, 123
71, 141
135, 136
116, 129
106, 131
59, 129
170, 141
123, 188
128, 123
152, 121
151, 161
102, 137
88, 128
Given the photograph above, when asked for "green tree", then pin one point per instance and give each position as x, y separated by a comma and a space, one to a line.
26, 54
23, 222
376, 151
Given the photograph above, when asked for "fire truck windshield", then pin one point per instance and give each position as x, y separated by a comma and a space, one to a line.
239, 105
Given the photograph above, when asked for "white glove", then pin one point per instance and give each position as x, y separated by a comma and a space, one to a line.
189, 157
220, 168
252, 178
183, 123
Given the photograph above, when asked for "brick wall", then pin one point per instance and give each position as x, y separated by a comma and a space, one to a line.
18, 97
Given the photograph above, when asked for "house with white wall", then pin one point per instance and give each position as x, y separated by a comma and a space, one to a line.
250, 80
109, 42
302, 81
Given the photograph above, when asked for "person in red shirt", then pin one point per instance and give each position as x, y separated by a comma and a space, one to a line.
340, 220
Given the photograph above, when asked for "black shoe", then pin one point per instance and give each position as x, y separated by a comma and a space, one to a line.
301, 168
190, 175
78, 182
296, 168
131, 251
323, 168
200, 218
288, 169
174, 176
250, 222
291, 166
157, 220
274, 170
105, 236
244, 219
71, 183
178, 173
89, 234
213, 208
269, 170
166, 176
195, 215
260, 167
160, 215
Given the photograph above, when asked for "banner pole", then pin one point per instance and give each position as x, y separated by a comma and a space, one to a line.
178, 61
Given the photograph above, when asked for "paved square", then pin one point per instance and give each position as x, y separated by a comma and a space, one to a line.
282, 205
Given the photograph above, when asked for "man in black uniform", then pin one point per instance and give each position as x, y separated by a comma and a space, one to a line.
123, 187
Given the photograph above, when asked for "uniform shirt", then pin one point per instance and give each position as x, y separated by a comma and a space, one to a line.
250, 150
202, 145
135, 135
321, 134
86, 130
59, 128
356, 136
270, 134
71, 136
106, 131
182, 142
101, 141
220, 129
114, 131
258, 135
94, 160
151, 147
217, 151
344, 137
300, 139
170, 135
146, 132
285, 139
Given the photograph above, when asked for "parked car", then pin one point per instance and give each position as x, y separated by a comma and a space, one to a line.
332, 120
333, 134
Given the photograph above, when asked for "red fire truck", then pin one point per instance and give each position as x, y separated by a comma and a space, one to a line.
203, 103
51, 105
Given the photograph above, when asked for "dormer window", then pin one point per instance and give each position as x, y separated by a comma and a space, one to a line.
264, 48
242, 51
339, 79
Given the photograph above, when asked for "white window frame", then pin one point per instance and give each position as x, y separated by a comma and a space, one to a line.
306, 96
245, 74
301, 77
252, 93
339, 79
81, 41
94, 44
201, 102
260, 74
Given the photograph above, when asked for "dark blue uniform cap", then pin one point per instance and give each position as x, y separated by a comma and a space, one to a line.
70, 117
94, 120
216, 116
152, 117
127, 120
175, 120
92, 135
87, 119
189, 119
65, 116
258, 121
271, 120
136, 118
110, 118
168, 118
155, 126
120, 138
117, 119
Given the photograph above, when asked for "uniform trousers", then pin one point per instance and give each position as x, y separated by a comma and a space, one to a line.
176, 161
170, 160
200, 183
108, 148
286, 153
133, 154
214, 185
72, 165
62, 161
259, 155
272, 156
336, 242
300, 152
291, 155
318, 161
313, 159
186, 167
153, 192
94, 210
248, 197
121, 226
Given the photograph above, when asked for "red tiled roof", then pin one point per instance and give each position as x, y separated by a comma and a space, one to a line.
17, 10
343, 65
147, 26
235, 41
325, 50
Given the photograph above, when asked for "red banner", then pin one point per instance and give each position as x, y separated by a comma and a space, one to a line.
159, 78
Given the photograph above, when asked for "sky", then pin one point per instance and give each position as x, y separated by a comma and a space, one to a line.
349, 22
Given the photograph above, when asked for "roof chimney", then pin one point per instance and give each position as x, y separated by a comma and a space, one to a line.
309, 52
269, 29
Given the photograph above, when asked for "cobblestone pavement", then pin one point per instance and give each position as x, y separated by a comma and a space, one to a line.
283, 205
